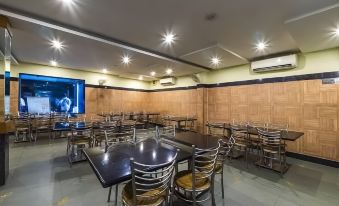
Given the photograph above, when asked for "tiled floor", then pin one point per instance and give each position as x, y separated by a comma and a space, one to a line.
40, 175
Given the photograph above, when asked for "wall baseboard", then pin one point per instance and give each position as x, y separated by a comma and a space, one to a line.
317, 160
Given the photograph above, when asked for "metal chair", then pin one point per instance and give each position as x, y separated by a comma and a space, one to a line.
191, 185
112, 137
216, 129
168, 131
240, 134
23, 129
42, 125
272, 149
140, 135
223, 154
149, 187
77, 141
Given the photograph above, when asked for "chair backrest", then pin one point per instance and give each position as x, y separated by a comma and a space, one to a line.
42, 121
140, 135
270, 137
81, 133
22, 122
216, 128
168, 131
225, 148
204, 161
239, 131
151, 181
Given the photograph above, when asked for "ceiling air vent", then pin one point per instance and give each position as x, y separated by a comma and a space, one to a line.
273, 64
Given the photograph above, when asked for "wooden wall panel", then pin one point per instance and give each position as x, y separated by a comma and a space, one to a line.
14, 96
308, 106
91, 95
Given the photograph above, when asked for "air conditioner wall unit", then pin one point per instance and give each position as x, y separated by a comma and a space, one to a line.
168, 81
278, 63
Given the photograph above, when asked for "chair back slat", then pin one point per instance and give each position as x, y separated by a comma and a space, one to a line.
154, 178
270, 137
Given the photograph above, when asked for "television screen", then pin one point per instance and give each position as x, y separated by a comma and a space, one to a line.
44, 94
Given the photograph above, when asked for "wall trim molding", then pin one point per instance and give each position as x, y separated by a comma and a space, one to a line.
317, 160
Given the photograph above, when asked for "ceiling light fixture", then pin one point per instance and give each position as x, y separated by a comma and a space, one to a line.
141, 78
53, 63
215, 61
57, 44
336, 32
169, 38
261, 46
67, 1
126, 59
169, 71
104, 70
153, 74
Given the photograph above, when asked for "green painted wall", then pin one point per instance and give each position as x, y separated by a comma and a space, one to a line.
89, 77
309, 63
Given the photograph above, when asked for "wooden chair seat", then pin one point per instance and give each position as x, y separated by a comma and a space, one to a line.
80, 141
183, 179
150, 198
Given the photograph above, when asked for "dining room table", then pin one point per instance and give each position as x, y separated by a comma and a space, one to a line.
113, 167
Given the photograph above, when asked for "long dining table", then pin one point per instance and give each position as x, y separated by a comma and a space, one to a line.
113, 167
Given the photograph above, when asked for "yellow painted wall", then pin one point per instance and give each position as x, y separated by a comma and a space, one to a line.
309, 63
184, 81
89, 77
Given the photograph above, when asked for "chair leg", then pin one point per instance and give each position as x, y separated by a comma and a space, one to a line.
212, 193
222, 183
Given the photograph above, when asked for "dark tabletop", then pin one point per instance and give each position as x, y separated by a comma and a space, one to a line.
179, 119
192, 138
113, 167
67, 126
286, 135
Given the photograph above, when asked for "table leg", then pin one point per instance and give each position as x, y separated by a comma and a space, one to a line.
109, 194
116, 194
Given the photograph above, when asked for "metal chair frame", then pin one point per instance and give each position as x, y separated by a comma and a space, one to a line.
203, 161
271, 145
144, 180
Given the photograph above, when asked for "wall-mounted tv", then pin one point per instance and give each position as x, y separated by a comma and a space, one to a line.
44, 94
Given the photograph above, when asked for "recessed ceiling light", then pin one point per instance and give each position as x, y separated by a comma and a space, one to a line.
53, 63
104, 70
126, 59
141, 77
215, 61
169, 38
153, 74
67, 1
57, 44
169, 71
261, 45
336, 32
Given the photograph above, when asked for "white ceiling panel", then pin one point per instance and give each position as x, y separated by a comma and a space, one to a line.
316, 31
205, 56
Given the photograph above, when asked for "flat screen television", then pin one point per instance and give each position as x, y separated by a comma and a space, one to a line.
45, 94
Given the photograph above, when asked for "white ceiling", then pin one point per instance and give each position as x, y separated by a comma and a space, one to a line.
238, 26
